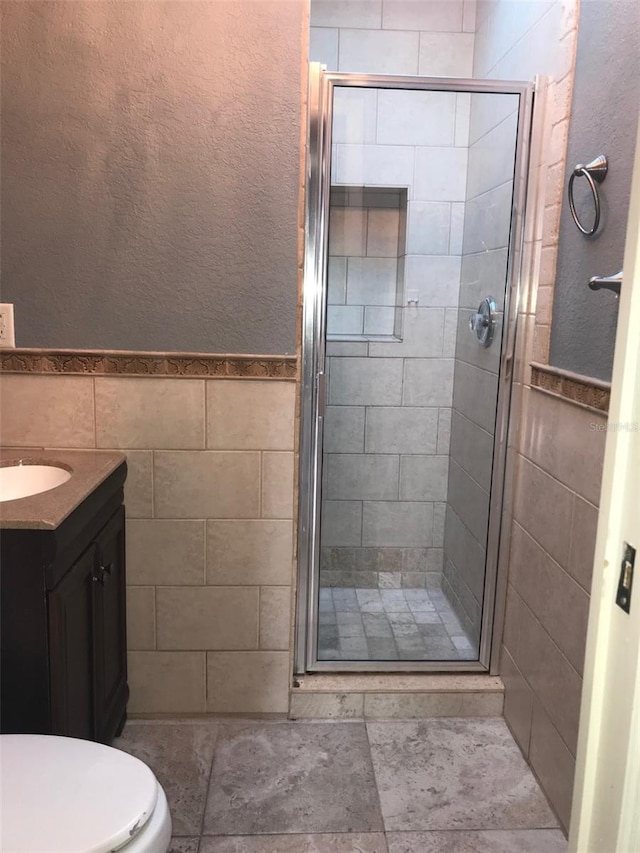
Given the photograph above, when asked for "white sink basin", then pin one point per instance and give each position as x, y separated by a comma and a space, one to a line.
22, 481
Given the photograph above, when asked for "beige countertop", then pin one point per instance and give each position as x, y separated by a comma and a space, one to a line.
47, 510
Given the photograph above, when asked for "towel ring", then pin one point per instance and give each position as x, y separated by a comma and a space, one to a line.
595, 171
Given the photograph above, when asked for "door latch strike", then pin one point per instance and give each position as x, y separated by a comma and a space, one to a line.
623, 597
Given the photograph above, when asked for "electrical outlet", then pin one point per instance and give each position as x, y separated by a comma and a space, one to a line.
7, 329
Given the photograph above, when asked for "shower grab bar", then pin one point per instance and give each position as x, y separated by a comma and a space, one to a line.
607, 282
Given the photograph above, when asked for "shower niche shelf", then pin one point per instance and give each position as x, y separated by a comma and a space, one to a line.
366, 263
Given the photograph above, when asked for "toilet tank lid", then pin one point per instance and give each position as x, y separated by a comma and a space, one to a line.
65, 795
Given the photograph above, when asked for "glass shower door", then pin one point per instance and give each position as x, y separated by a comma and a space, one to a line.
419, 231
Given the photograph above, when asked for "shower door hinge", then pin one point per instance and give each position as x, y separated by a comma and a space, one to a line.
321, 391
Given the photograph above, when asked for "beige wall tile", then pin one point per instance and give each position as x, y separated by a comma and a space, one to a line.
277, 485
207, 617
207, 484
247, 415
553, 680
150, 413
248, 682
166, 552
544, 508
518, 701
166, 682
583, 542
249, 552
347, 231
383, 229
275, 617
556, 600
326, 706
511, 633
576, 452
553, 764
46, 411
138, 488
141, 618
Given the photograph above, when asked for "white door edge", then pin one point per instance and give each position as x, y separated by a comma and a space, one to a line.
606, 800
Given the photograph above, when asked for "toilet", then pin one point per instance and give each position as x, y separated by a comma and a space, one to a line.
65, 795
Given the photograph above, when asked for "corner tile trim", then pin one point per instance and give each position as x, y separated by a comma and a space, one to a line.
124, 363
591, 393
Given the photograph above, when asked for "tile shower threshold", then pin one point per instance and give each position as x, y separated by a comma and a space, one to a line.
395, 696
392, 683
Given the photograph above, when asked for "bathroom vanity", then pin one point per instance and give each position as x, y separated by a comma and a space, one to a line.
62, 608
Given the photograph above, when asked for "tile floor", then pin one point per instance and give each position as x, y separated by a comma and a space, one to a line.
431, 786
390, 624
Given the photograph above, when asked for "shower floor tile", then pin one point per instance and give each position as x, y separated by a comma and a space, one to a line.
390, 624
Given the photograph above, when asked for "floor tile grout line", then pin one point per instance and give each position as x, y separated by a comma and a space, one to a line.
206, 796
375, 782
368, 750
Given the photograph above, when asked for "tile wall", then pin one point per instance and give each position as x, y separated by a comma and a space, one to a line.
556, 448
552, 547
209, 501
505, 39
394, 36
388, 420
493, 129
365, 275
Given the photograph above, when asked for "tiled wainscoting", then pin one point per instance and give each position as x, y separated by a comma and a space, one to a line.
553, 541
209, 500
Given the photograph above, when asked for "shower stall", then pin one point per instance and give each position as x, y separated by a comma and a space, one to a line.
414, 229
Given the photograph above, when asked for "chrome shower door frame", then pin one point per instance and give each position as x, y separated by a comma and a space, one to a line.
318, 181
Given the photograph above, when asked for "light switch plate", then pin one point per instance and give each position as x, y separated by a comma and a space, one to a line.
7, 328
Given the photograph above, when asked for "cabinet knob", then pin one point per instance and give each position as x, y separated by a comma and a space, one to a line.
103, 573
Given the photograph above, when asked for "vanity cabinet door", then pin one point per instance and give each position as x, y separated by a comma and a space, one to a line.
110, 638
71, 650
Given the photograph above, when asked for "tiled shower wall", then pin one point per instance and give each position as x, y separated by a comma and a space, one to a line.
492, 139
209, 502
389, 402
429, 37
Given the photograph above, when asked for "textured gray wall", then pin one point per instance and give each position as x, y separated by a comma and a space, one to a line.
150, 160
603, 121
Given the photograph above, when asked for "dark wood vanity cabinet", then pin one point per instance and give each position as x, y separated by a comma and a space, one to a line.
64, 666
